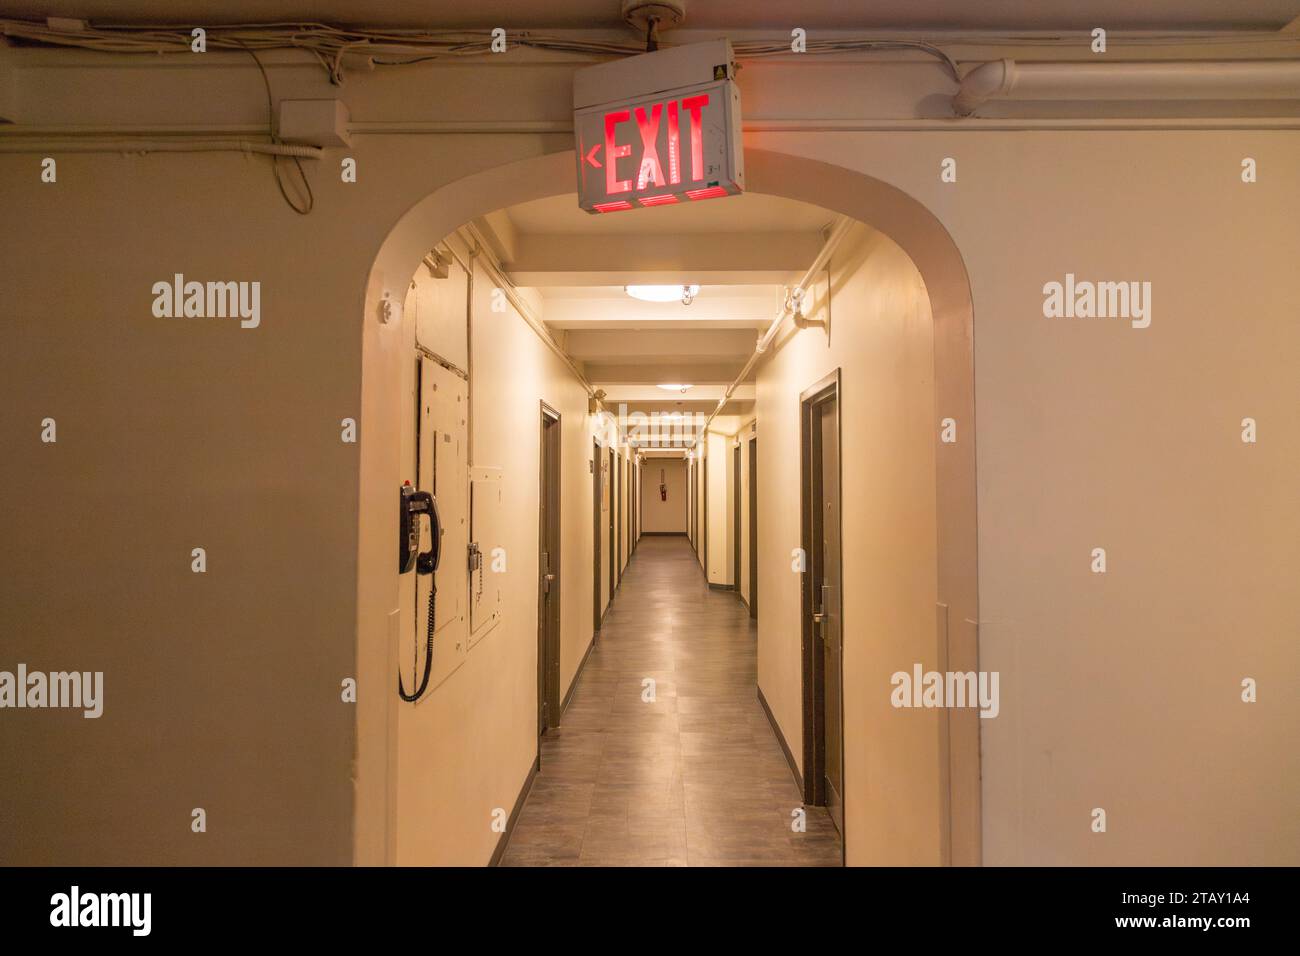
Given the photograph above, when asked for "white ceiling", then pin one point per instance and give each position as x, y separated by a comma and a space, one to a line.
741, 250
701, 14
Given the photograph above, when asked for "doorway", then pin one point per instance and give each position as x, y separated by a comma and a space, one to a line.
619, 489
704, 519
613, 528
597, 530
821, 617
735, 516
548, 582
690, 504
753, 528
858, 194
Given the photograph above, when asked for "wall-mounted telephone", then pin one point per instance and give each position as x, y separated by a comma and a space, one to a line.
412, 504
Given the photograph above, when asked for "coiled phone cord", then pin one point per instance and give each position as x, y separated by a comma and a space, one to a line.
428, 656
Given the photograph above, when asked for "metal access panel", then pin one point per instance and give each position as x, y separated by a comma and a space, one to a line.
442, 470
440, 308
488, 563
658, 129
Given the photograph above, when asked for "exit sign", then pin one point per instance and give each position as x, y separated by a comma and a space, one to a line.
658, 129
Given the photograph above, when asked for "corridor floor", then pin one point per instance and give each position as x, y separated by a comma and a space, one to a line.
695, 777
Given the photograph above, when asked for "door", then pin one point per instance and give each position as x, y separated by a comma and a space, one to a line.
690, 501
613, 528
597, 531
828, 484
753, 528
822, 631
548, 583
735, 517
618, 514
704, 523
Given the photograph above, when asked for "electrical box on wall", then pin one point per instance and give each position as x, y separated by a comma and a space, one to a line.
8, 86
315, 122
488, 562
658, 129
441, 469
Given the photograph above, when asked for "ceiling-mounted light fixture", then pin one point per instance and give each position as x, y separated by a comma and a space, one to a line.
663, 293
674, 386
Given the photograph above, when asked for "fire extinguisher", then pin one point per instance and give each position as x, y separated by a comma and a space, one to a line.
663, 488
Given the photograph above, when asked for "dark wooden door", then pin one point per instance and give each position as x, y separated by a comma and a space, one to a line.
597, 530
735, 517
753, 528
827, 599
821, 599
613, 528
548, 583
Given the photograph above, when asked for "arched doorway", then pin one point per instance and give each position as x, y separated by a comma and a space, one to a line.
887, 209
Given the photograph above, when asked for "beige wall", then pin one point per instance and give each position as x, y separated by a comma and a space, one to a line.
1117, 691
881, 342
1096, 434
663, 516
466, 748
222, 690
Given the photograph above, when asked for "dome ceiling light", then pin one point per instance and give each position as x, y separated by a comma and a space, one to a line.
663, 293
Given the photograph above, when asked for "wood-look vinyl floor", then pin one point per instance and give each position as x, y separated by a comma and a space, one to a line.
695, 777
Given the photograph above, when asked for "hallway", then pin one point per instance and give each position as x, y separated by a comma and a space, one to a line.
695, 777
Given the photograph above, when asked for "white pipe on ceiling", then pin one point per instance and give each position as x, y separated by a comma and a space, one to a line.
1175, 80
839, 229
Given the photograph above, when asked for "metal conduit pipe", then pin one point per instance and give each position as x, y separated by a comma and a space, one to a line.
839, 229
160, 146
1185, 80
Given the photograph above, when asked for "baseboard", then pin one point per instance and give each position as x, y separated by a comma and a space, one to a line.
721, 587
742, 598
780, 737
577, 676
504, 840
663, 534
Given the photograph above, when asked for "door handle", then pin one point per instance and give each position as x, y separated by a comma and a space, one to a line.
821, 614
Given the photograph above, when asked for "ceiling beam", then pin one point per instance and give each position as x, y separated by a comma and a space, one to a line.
683, 257
716, 373
616, 392
611, 308
687, 346
499, 233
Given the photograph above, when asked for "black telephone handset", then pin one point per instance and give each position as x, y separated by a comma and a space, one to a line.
412, 504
